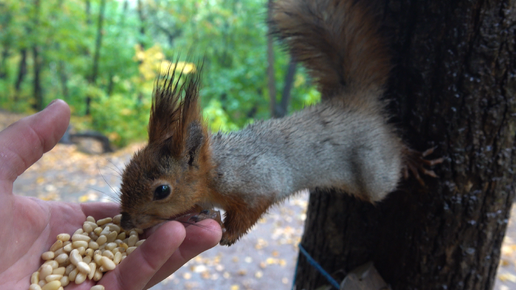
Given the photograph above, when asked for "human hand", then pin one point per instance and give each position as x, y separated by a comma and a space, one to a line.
29, 226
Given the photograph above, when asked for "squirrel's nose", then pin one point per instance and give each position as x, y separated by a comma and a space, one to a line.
126, 221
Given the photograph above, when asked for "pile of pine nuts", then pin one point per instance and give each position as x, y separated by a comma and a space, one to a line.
91, 251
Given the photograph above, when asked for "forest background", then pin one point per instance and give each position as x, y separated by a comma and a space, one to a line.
103, 56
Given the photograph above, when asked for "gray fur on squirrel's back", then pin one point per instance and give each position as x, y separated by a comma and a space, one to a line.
323, 146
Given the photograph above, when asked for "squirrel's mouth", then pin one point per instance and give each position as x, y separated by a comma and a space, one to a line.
186, 216
195, 215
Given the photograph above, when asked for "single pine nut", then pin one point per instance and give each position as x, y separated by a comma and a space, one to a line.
81, 277
104, 221
98, 230
65, 281
89, 252
82, 250
97, 258
131, 241
83, 268
114, 228
87, 228
117, 219
90, 219
68, 248
130, 250
69, 269
139, 231
105, 231
34, 287
73, 275
98, 287
117, 258
109, 254
59, 271
124, 246
78, 244
52, 264
75, 257
111, 237
78, 231
98, 275
44, 271
107, 264
93, 268
86, 259
121, 236
94, 236
80, 238
61, 259
54, 285
59, 252
63, 237
111, 246
42, 283
139, 242
101, 240
53, 277
56, 246
34, 279
47, 256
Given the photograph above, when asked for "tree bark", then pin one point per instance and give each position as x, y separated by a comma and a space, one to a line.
96, 57
271, 81
37, 63
22, 72
281, 109
453, 87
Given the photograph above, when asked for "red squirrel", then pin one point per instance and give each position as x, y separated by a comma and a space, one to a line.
345, 142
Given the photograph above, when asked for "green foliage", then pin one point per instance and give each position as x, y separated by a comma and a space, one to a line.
230, 36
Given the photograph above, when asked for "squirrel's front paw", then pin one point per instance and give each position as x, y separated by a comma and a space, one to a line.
415, 162
228, 239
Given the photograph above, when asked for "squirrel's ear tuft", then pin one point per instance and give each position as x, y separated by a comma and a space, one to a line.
175, 110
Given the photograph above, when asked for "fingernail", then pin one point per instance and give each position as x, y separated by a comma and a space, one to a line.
51, 103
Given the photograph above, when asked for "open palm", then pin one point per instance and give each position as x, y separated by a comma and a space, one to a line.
29, 226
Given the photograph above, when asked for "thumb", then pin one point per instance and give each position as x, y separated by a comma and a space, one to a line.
25, 141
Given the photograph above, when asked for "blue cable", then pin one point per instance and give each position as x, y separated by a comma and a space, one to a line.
316, 266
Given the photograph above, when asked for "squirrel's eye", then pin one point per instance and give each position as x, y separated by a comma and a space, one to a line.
161, 192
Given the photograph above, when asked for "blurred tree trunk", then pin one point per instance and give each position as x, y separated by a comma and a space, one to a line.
96, 56
271, 81
22, 72
3, 62
278, 109
282, 108
453, 86
37, 62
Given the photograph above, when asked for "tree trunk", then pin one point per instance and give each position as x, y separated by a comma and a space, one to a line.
96, 57
282, 108
37, 63
22, 72
453, 87
271, 82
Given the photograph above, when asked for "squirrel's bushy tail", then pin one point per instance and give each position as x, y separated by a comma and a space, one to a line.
337, 41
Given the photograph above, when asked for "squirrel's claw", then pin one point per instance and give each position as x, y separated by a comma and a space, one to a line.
415, 163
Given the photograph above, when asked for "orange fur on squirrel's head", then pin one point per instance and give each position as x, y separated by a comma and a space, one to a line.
166, 179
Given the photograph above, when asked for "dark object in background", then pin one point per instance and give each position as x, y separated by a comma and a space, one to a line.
89, 142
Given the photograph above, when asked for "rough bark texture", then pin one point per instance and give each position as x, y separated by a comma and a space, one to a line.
453, 86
